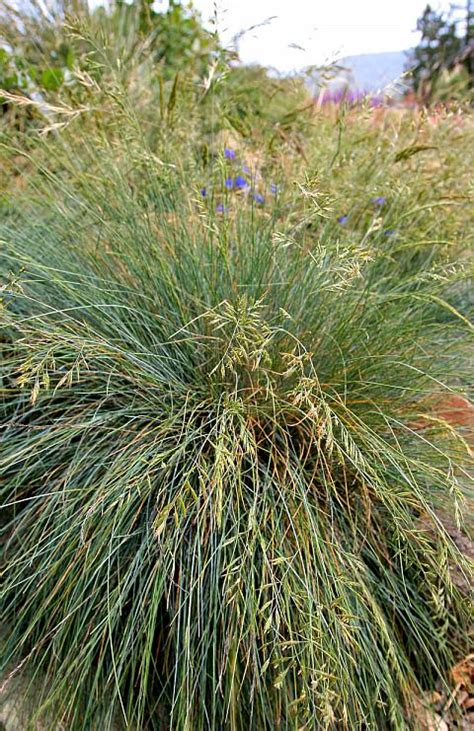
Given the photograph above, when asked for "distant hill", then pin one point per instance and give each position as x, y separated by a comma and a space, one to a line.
374, 71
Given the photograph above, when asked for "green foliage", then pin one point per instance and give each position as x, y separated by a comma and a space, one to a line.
442, 47
10, 79
175, 38
255, 103
46, 45
38, 47
222, 465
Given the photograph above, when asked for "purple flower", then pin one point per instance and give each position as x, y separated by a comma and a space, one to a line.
342, 219
229, 183
203, 192
240, 182
351, 97
258, 198
389, 232
379, 201
229, 154
274, 188
220, 208
245, 169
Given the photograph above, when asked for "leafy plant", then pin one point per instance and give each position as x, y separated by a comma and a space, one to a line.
443, 47
48, 50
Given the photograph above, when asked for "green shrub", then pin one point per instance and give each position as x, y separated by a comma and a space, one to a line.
53, 46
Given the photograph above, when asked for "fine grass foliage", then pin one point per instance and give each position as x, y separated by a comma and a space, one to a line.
221, 462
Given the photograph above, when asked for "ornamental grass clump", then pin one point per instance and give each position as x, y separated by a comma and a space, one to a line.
221, 464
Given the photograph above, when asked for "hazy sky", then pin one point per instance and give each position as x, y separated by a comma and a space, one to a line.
326, 29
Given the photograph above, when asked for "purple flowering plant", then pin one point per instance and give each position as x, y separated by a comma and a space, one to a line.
241, 182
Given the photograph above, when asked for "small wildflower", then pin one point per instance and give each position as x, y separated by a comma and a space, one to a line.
389, 232
258, 198
229, 183
203, 192
245, 169
229, 154
220, 208
342, 219
378, 201
274, 188
240, 182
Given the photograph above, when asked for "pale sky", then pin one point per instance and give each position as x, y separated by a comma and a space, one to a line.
325, 29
